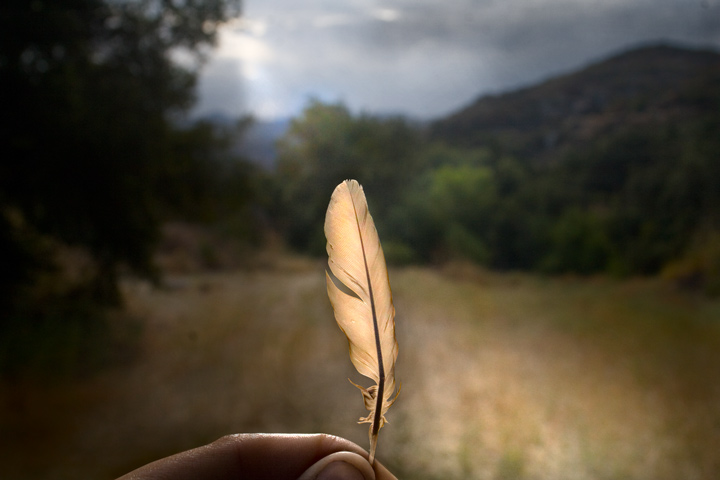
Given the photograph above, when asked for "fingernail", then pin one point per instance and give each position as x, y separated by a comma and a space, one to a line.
340, 466
340, 471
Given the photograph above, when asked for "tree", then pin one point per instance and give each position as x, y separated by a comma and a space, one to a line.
327, 145
90, 94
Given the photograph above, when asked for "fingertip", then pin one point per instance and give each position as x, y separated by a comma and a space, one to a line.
340, 466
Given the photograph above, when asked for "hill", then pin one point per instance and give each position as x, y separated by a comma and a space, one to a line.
652, 85
611, 169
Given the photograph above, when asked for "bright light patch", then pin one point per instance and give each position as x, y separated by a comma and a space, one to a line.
253, 27
243, 47
386, 14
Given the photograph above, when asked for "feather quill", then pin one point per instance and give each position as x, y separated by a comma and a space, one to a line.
359, 291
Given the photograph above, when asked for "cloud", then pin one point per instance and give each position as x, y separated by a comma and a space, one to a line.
386, 14
426, 57
332, 20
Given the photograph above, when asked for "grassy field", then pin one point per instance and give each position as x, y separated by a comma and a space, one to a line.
504, 376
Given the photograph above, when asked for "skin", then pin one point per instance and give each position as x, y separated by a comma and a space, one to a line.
266, 456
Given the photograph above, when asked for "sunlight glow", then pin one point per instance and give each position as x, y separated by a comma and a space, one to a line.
244, 47
386, 14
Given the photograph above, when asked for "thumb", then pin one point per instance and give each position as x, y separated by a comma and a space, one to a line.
340, 466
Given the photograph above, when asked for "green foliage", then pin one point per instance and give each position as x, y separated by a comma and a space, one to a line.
666, 194
625, 203
578, 244
327, 145
462, 244
699, 265
202, 179
398, 253
437, 154
475, 210
441, 214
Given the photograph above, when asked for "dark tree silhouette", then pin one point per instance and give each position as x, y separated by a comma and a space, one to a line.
90, 96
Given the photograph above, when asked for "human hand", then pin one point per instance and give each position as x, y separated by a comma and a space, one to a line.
267, 456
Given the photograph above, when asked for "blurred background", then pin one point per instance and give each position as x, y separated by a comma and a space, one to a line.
545, 181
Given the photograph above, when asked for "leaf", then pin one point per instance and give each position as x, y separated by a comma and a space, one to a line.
359, 291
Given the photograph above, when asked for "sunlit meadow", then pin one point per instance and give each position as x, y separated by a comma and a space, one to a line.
504, 376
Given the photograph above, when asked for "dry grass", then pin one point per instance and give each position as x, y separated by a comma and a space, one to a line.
503, 377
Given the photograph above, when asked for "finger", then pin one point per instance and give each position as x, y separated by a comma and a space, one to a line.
340, 466
253, 456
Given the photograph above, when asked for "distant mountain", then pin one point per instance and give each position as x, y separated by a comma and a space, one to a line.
644, 86
220, 119
258, 141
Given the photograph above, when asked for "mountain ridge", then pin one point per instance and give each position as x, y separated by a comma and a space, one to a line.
640, 86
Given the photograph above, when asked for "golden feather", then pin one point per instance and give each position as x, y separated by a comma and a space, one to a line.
359, 291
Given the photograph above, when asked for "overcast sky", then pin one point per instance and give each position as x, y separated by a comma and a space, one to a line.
425, 58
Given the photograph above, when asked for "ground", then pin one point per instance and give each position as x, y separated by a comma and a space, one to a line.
504, 376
